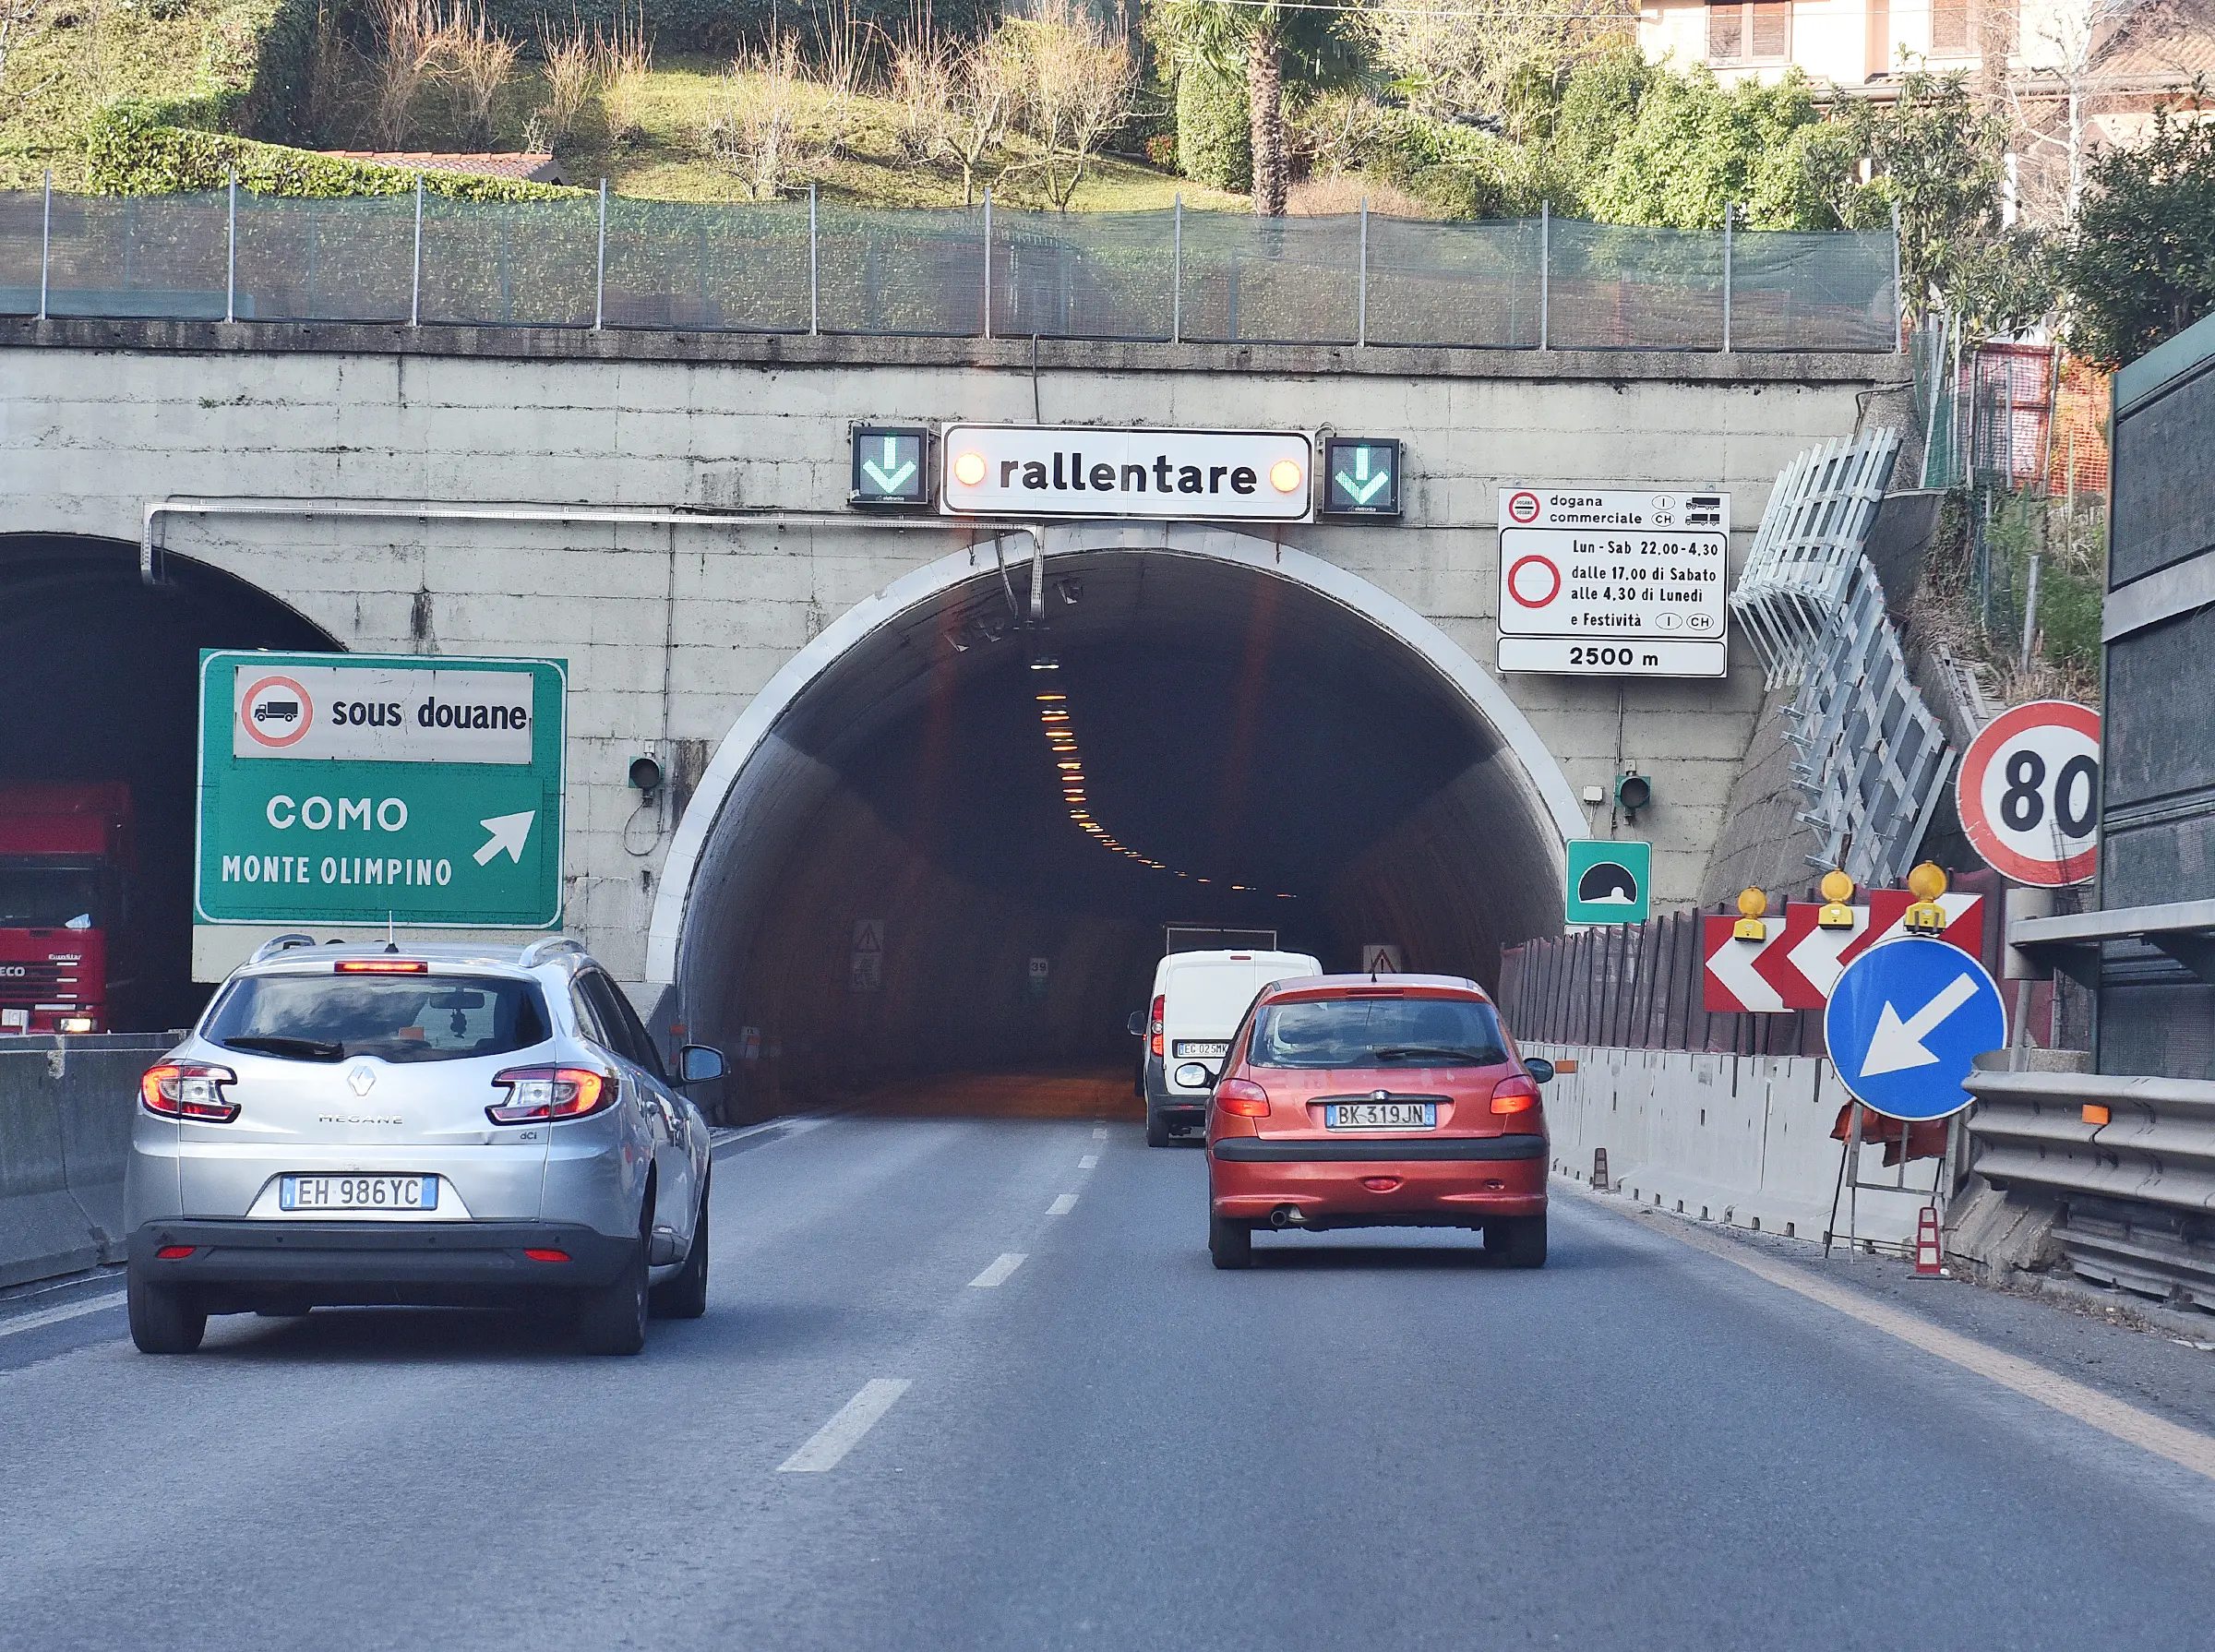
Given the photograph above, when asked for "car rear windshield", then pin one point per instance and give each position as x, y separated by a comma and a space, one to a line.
1386, 1032
396, 1018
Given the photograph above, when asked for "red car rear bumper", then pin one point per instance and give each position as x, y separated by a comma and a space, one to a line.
1464, 1178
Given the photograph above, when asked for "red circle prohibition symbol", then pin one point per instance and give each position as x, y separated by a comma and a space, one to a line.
1514, 581
1995, 738
1523, 508
246, 711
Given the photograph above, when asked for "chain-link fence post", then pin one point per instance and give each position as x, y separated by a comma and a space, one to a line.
1362, 283
600, 265
1545, 275
230, 253
1728, 212
1176, 271
416, 273
987, 260
814, 269
1900, 298
45, 243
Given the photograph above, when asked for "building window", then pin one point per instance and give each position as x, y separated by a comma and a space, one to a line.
1750, 31
1974, 28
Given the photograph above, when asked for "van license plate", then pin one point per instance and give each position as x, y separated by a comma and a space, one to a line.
319, 1193
1187, 1048
1381, 1115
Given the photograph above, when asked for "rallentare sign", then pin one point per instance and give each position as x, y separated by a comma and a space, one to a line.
1045, 470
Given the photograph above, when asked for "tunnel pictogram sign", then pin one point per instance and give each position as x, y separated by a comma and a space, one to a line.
1608, 881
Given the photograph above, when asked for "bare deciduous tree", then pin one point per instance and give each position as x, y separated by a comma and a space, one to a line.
408, 37
478, 59
571, 68
923, 84
623, 64
1079, 81
755, 133
1461, 63
988, 80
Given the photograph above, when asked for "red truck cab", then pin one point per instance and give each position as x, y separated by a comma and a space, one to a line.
64, 853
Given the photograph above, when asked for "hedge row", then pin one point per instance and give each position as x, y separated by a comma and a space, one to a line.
131, 150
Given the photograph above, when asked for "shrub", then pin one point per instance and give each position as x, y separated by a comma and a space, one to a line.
1215, 136
130, 151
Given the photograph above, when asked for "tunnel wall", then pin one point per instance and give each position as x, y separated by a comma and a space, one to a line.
670, 631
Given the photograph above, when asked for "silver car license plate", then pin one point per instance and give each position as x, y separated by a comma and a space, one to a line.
1381, 1115
318, 1194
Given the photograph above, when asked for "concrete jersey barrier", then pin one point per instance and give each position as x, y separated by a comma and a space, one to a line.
65, 1106
1742, 1140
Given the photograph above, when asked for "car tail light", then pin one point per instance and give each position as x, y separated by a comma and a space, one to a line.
1242, 1098
542, 1094
380, 966
190, 1090
174, 1253
1516, 1094
1154, 1030
547, 1256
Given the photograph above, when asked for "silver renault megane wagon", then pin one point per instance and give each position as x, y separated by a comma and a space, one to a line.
437, 1125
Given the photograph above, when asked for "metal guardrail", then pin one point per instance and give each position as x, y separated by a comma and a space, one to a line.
2183, 930
2136, 1173
823, 267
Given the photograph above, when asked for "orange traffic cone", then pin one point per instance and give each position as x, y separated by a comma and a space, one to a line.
1926, 1241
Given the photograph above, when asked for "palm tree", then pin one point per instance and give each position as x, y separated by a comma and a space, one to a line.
1263, 35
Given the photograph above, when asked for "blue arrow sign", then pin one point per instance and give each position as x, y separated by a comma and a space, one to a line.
1906, 1023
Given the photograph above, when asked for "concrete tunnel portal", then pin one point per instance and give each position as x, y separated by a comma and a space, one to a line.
1263, 742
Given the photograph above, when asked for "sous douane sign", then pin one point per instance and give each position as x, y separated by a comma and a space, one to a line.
354, 789
1045, 470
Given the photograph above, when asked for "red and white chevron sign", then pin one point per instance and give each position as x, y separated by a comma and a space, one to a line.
1799, 963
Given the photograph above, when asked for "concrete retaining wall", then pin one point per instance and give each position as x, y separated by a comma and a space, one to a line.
65, 1128
1743, 1140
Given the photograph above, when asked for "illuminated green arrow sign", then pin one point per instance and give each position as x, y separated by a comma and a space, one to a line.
1364, 476
887, 465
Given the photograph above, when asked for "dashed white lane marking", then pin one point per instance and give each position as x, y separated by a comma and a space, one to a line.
2187, 1448
843, 1431
1088, 1161
1062, 1205
1100, 1134
50, 1316
997, 1273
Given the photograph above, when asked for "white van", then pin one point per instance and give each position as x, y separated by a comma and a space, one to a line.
1199, 1000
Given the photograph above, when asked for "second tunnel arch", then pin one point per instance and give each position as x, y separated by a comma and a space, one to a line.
1441, 816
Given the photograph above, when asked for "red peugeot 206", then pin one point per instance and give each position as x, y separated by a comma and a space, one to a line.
1391, 1101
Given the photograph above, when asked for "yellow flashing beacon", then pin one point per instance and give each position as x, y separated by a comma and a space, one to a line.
1751, 903
1837, 889
1925, 916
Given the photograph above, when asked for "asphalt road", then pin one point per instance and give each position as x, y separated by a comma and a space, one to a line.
1369, 1441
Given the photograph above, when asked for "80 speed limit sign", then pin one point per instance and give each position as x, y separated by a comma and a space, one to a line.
2029, 792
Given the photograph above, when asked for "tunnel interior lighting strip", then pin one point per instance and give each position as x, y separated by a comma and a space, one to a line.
1059, 728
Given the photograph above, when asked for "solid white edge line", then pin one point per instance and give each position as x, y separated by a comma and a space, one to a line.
843, 1433
51, 1316
2187, 1448
1062, 1205
997, 1273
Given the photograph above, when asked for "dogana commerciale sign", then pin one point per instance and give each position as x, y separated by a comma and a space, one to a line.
1612, 582
358, 789
1045, 470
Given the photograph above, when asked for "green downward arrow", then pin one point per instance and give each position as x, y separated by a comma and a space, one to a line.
1361, 487
887, 479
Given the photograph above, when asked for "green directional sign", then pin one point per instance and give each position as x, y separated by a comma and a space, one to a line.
367, 788
1361, 476
887, 465
1607, 882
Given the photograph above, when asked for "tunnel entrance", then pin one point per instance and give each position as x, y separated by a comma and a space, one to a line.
100, 672
904, 902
